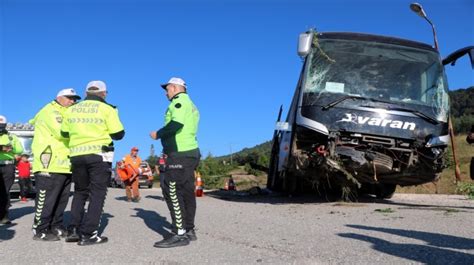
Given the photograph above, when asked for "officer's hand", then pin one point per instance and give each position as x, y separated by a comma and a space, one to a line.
153, 135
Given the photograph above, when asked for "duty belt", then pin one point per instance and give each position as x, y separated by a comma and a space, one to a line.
6, 162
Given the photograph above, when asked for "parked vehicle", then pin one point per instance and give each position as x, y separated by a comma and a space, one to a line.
115, 181
146, 177
369, 113
25, 133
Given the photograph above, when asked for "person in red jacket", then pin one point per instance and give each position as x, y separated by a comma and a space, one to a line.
24, 172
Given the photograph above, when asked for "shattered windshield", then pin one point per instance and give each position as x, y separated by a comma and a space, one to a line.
386, 72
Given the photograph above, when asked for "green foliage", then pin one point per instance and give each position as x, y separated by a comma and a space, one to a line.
385, 210
152, 161
211, 166
255, 160
462, 109
214, 182
250, 170
463, 124
462, 102
466, 189
257, 157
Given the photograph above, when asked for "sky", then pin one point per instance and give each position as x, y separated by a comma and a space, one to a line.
238, 57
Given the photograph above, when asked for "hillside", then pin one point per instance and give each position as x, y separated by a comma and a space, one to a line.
462, 102
462, 109
255, 155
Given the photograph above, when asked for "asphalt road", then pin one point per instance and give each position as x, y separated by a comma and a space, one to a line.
258, 229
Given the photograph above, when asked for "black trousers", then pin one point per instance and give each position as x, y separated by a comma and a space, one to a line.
8, 175
25, 186
51, 200
178, 187
90, 175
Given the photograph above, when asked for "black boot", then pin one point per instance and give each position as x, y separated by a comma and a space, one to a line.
173, 241
59, 231
5, 220
45, 236
191, 234
72, 234
91, 240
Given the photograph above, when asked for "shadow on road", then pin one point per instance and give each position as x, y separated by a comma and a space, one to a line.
434, 253
426, 206
156, 197
121, 198
6, 233
265, 196
17, 213
104, 222
437, 240
154, 221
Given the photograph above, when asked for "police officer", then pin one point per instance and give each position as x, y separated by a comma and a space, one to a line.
52, 167
10, 148
90, 125
178, 138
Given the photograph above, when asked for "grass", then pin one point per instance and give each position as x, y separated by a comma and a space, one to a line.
385, 210
466, 189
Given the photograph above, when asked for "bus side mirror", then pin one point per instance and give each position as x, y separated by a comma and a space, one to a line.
471, 55
304, 43
451, 59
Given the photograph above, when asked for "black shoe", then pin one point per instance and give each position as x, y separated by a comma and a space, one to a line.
95, 239
5, 221
72, 235
136, 199
191, 234
45, 236
59, 231
173, 241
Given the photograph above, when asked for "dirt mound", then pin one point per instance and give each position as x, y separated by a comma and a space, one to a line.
244, 178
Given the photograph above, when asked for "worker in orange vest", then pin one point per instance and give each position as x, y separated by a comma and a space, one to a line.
131, 184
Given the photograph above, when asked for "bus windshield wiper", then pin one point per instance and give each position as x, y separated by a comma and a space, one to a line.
341, 99
415, 112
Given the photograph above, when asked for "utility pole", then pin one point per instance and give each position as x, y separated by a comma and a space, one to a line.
152, 150
230, 145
